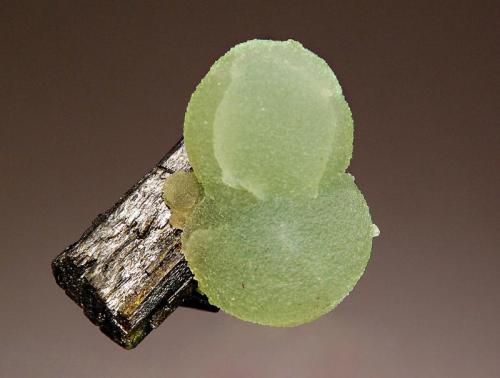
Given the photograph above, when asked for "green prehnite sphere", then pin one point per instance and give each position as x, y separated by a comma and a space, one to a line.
275, 231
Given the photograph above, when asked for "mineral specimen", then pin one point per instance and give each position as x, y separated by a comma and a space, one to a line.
274, 229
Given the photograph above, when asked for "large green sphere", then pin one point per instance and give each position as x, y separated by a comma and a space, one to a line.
268, 118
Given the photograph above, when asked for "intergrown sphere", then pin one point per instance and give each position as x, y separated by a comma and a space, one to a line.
281, 233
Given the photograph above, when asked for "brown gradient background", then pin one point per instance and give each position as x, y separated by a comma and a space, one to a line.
91, 96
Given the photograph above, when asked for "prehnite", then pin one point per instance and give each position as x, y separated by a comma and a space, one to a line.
274, 230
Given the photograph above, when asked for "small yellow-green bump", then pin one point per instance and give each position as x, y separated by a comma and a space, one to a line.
181, 192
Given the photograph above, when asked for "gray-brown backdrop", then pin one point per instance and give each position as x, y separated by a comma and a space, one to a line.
92, 95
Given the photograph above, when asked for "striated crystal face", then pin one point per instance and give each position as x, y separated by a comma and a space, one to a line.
275, 231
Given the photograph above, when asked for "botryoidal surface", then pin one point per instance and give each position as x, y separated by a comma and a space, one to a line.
275, 231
